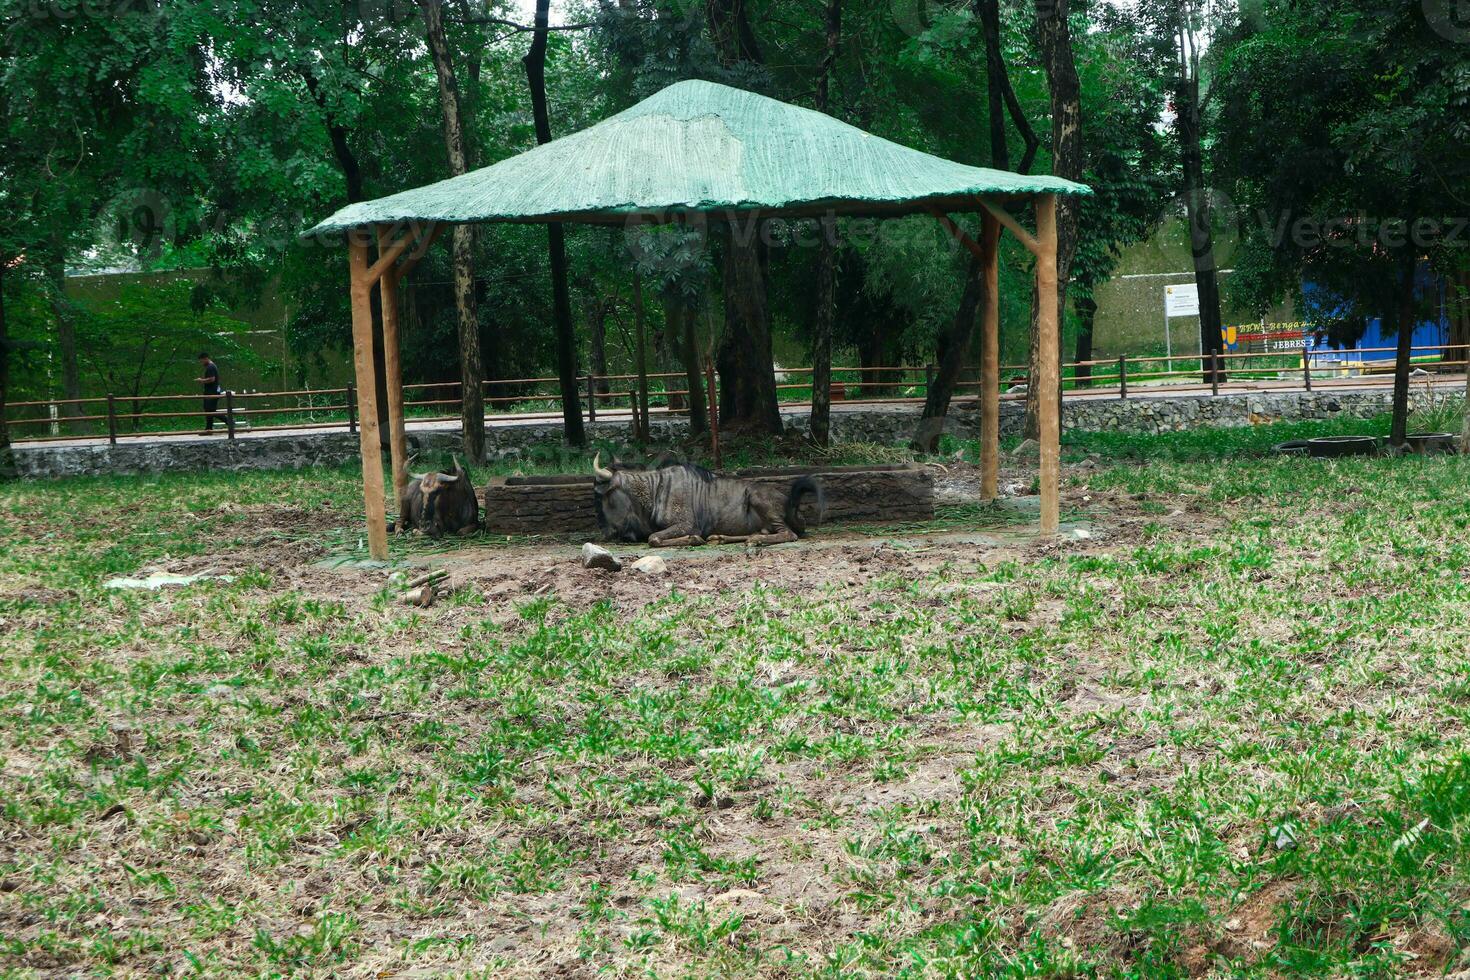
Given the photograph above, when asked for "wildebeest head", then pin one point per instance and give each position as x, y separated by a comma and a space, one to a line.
442, 502
435, 485
623, 510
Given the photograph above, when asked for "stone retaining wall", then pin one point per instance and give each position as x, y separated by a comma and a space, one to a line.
890, 424
854, 494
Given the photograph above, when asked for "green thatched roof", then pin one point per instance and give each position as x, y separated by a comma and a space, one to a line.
698, 146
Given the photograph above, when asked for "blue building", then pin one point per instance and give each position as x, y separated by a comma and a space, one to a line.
1375, 350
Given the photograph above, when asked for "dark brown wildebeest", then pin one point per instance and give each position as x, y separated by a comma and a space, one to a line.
686, 504
440, 503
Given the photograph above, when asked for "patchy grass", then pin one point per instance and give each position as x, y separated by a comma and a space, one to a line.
1226, 734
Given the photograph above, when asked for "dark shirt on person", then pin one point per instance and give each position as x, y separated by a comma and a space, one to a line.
211, 379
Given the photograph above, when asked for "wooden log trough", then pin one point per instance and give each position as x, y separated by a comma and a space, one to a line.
525, 505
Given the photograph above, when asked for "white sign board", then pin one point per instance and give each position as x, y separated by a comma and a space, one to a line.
1182, 300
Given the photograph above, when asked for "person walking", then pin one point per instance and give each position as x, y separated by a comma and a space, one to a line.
210, 380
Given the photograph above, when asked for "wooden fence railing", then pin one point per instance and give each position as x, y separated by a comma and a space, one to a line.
118, 417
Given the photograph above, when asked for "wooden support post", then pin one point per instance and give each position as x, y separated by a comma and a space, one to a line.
367, 386
1214, 373
393, 369
111, 420
1047, 351
1122, 377
230, 413
351, 408
1000, 214
1307, 369
990, 361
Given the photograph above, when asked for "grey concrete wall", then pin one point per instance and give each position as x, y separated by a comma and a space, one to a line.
878, 424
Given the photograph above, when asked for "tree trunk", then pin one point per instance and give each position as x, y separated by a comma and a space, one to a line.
1402, 354
1457, 305
1197, 207
356, 191
7, 456
694, 371
1465, 428
1066, 161
566, 353
821, 417
1460, 283
668, 348
597, 329
999, 89
988, 12
66, 334
876, 351
747, 375
471, 374
729, 28
640, 356
1086, 316
952, 349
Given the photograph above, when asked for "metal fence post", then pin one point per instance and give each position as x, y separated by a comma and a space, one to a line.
351, 407
591, 398
111, 419
1307, 369
1214, 372
1122, 377
230, 413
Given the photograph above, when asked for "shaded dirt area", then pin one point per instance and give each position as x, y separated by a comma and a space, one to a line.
830, 559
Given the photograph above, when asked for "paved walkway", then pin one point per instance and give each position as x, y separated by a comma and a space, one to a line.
1446, 383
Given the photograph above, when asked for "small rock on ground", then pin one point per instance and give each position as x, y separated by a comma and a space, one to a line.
595, 556
651, 565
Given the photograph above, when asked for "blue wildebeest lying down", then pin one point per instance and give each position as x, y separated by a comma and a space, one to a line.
440, 503
685, 504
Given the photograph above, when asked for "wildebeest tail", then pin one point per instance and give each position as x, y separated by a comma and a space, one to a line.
800, 487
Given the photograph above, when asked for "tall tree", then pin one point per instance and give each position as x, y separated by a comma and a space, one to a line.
101, 123
1338, 129
671, 259
472, 398
66, 326
952, 348
821, 418
7, 455
310, 75
1060, 64
1000, 95
1189, 125
747, 371
566, 353
1127, 160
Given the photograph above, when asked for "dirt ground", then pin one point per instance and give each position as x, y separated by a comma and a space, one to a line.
833, 558
798, 901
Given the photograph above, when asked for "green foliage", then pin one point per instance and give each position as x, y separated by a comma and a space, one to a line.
148, 336
1342, 145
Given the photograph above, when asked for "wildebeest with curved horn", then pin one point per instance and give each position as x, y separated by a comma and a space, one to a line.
440, 503
686, 504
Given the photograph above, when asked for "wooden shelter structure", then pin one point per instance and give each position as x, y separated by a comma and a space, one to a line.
699, 148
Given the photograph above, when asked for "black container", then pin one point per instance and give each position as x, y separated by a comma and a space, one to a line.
1331, 447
